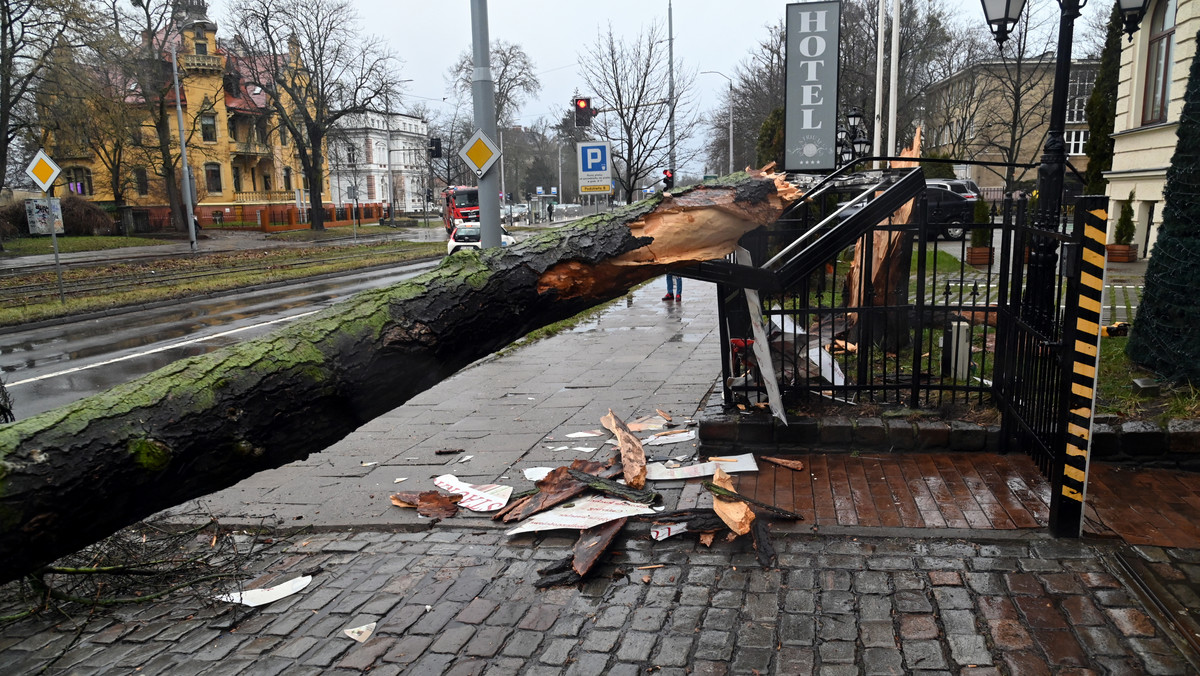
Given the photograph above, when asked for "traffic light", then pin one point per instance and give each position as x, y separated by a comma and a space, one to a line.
583, 111
668, 179
428, 194
435, 147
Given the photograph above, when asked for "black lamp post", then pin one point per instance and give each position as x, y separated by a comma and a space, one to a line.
852, 139
1002, 17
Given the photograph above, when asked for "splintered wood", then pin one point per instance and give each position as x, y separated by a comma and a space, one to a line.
555, 488
784, 462
736, 514
592, 543
633, 458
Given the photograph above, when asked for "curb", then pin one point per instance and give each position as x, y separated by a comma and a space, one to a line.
1144, 443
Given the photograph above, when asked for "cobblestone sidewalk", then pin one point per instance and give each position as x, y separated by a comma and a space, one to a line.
450, 602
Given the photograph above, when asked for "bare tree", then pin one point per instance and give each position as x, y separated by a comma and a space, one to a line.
29, 31
758, 89
631, 81
316, 66
512, 74
1013, 121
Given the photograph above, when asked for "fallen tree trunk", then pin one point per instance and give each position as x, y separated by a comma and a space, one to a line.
74, 475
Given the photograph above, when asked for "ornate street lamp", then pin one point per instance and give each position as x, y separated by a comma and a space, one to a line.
852, 139
1132, 11
854, 118
1003, 15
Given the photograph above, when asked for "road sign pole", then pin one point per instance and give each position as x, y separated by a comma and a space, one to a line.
484, 96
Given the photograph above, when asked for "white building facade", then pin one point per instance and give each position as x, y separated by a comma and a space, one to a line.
380, 158
1154, 74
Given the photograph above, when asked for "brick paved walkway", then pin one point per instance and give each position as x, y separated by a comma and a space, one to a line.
449, 602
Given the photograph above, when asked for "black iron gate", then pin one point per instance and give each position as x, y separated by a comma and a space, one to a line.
1047, 349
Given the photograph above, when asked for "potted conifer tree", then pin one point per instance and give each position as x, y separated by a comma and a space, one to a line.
1123, 250
980, 252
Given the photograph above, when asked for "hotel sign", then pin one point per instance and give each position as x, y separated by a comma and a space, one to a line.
810, 120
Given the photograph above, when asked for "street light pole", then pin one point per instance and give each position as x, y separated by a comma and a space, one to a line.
671, 84
185, 183
717, 72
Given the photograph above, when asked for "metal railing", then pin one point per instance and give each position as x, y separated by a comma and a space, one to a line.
917, 332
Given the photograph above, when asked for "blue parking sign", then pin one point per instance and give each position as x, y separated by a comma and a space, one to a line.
594, 172
594, 157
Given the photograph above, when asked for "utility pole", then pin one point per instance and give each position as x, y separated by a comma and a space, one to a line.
671, 90
484, 95
186, 183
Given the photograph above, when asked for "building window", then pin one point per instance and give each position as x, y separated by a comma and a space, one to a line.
351, 154
266, 182
1075, 140
135, 136
212, 177
1158, 63
142, 181
79, 180
370, 187
208, 127
237, 179
200, 42
283, 135
287, 178
1079, 90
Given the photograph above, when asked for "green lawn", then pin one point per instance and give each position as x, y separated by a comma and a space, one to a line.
29, 246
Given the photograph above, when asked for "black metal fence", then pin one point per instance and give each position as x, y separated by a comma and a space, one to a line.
904, 316
899, 317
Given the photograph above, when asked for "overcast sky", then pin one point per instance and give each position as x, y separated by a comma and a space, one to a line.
429, 36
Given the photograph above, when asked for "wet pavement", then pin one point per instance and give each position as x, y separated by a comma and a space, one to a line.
878, 592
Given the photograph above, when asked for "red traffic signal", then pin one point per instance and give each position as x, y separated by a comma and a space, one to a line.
583, 111
668, 179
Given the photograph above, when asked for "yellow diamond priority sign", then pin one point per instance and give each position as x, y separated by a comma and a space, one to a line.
480, 153
43, 170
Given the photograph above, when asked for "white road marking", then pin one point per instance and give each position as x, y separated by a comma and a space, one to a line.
163, 348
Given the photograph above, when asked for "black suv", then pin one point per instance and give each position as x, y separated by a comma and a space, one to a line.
951, 206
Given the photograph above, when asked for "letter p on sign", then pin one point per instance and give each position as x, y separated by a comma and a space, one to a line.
594, 159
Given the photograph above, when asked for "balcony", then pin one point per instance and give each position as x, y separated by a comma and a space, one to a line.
264, 197
199, 62
252, 149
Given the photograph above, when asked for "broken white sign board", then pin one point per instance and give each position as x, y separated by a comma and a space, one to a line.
362, 633
484, 498
665, 438
665, 531
583, 514
261, 597
735, 463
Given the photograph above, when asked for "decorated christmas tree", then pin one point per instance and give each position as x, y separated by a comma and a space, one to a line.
1166, 333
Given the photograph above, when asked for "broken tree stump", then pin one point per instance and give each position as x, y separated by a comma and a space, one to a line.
74, 475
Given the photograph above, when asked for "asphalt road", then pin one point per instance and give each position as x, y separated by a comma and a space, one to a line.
48, 367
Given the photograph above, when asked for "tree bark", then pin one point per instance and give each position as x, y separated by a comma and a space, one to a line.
71, 476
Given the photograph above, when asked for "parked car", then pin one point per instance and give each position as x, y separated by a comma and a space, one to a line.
965, 187
466, 236
518, 212
951, 206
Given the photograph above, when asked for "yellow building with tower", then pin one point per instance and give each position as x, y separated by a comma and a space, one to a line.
246, 170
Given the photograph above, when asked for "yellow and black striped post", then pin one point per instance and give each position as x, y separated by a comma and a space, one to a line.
1082, 338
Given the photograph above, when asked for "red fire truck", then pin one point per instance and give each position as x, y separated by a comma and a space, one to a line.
461, 205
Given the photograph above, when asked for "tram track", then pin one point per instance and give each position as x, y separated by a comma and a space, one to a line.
113, 278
